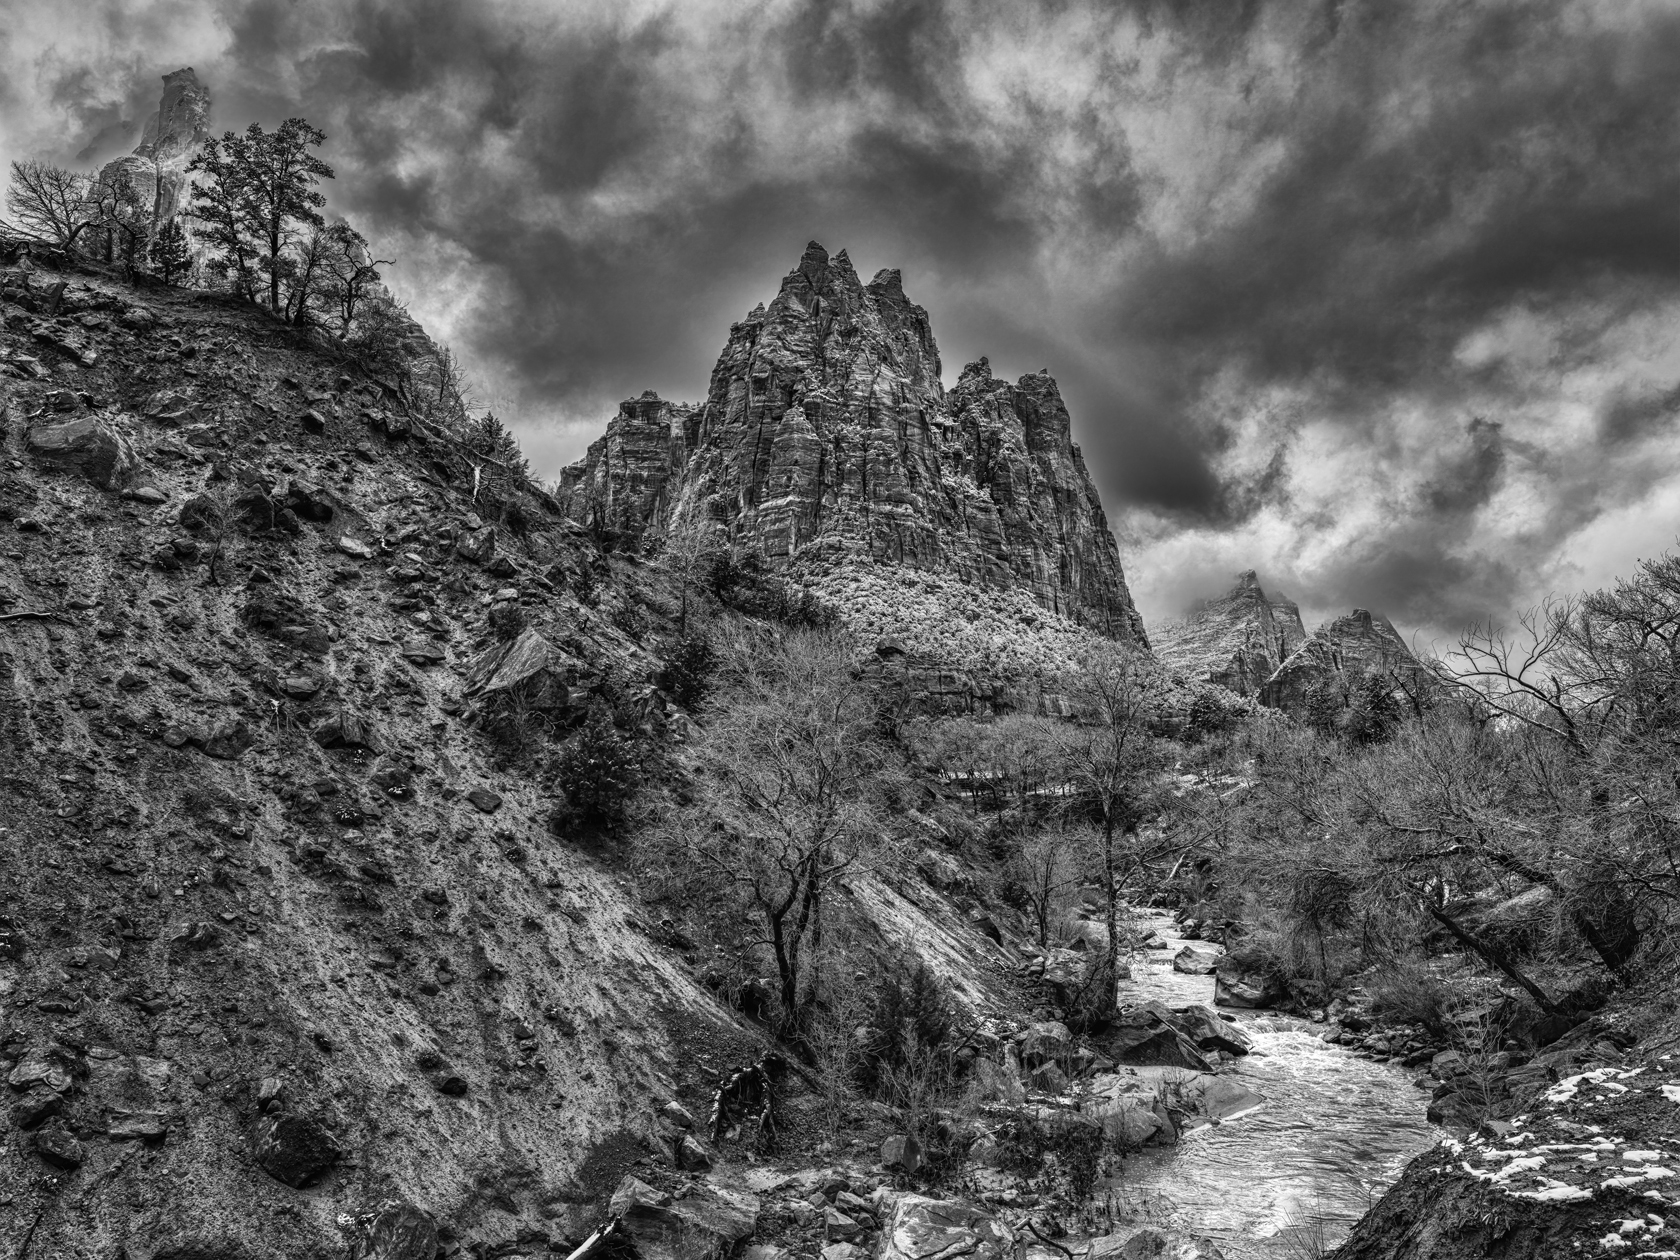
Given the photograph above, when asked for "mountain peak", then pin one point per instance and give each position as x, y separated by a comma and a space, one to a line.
827, 431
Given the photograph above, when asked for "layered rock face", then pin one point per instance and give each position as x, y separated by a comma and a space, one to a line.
1344, 649
1237, 640
170, 140
827, 434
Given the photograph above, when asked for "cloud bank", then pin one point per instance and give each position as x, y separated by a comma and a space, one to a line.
1379, 299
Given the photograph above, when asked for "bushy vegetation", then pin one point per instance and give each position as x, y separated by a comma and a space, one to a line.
597, 769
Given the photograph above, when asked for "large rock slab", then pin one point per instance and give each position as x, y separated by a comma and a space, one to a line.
919, 1228
708, 1221
89, 446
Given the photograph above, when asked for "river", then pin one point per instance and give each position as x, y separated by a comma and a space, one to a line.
1290, 1178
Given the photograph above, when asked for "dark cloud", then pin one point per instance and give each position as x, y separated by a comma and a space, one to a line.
1253, 241
1629, 417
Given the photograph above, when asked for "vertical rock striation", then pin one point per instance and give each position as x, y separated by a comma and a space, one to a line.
169, 141
1237, 640
826, 434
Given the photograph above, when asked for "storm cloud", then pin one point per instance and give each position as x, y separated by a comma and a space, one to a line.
1378, 299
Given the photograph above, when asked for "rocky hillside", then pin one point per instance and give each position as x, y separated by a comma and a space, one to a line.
272, 913
827, 438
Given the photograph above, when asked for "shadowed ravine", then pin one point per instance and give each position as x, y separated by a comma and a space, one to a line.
1335, 1131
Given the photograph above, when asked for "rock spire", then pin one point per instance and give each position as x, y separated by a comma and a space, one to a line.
168, 142
826, 433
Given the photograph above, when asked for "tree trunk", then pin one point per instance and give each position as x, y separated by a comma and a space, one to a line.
1113, 913
1497, 957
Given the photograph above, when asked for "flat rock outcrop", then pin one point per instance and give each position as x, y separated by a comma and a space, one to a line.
826, 432
1237, 640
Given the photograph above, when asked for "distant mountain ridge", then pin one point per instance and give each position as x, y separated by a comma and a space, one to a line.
827, 437
1256, 645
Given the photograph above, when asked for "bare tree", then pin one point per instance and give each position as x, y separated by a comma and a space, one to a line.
50, 203
687, 548
1046, 865
791, 781
1109, 759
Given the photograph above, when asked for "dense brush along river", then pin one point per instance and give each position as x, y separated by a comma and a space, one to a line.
1287, 1179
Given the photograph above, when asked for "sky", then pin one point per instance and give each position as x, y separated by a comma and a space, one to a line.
1379, 299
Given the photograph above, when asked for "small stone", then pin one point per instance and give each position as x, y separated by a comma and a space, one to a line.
299, 686
38, 1105
352, 546
313, 421
137, 1126
147, 494
229, 740
691, 1156
422, 652
454, 1086
484, 800
295, 1150
59, 1149
901, 1153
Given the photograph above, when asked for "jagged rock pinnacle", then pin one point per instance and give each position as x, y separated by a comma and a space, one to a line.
827, 423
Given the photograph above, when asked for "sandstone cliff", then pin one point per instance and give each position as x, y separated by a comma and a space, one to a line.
1237, 640
169, 141
826, 433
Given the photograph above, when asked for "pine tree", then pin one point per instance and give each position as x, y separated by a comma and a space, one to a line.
258, 192
171, 252
491, 438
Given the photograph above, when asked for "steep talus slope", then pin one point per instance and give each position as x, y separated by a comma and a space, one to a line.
267, 900
826, 439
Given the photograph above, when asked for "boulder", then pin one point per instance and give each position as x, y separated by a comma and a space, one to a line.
1246, 990
691, 1156
709, 1220
478, 546
1197, 960
396, 1230
1045, 1043
1131, 1123
344, 729
1154, 1045
1048, 1078
89, 446
919, 1228
1209, 1032
838, 1227
295, 1150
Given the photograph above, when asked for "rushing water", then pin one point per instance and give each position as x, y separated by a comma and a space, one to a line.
1334, 1132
